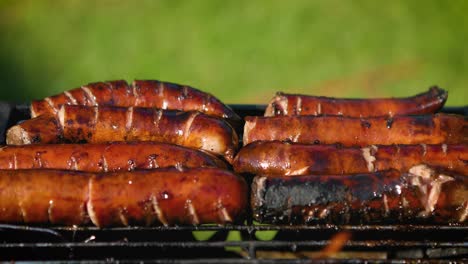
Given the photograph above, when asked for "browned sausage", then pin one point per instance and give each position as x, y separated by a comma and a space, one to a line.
285, 158
294, 104
93, 124
114, 156
422, 195
43, 196
350, 131
145, 93
167, 196
44, 128
162, 196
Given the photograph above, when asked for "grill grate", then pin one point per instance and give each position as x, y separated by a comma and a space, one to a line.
177, 244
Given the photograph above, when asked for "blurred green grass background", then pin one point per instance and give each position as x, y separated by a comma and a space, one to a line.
241, 51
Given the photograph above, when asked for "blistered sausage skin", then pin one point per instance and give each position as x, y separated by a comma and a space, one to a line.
285, 158
154, 197
142, 93
350, 131
421, 195
295, 104
104, 157
97, 124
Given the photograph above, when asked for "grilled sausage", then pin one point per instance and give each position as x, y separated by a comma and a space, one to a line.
349, 131
381, 197
162, 196
44, 128
114, 156
294, 104
285, 158
43, 196
145, 93
168, 196
93, 124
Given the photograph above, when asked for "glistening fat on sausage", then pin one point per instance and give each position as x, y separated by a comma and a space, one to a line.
142, 93
286, 158
97, 124
419, 196
295, 104
154, 197
104, 157
350, 131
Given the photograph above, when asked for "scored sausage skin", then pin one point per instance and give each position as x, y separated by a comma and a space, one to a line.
286, 158
93, 124
382, 197
142, 93
152, 197
43, 197
295, 104
349, 131
104, 157
168, 196
189, 129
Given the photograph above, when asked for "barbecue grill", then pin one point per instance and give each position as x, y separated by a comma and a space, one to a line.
177, 244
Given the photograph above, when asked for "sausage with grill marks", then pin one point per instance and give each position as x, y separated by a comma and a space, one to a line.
285, 158
295, 104
386, 197
93, 124
154, 197
142, 93
104, 157
350, 131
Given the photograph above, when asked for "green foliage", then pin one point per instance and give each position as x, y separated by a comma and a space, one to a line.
241, 51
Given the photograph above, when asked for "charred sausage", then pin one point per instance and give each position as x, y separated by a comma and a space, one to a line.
142, 93
285, 158
114, 156
294, 104
421, 195
163, 196
350, 131
97, 124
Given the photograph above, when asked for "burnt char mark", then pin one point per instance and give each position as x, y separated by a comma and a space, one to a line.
422, 124
300, 192
359, 198
389, 122
439, 93
366, 124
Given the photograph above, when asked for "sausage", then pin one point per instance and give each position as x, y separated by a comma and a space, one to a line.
295, 104
163, 196
43, 196
44, 128
142, 93
97, 124
104, 157
385, 197
286, 158
350, 131
168, 196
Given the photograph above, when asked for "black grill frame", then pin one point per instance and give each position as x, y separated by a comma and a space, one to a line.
176, 244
